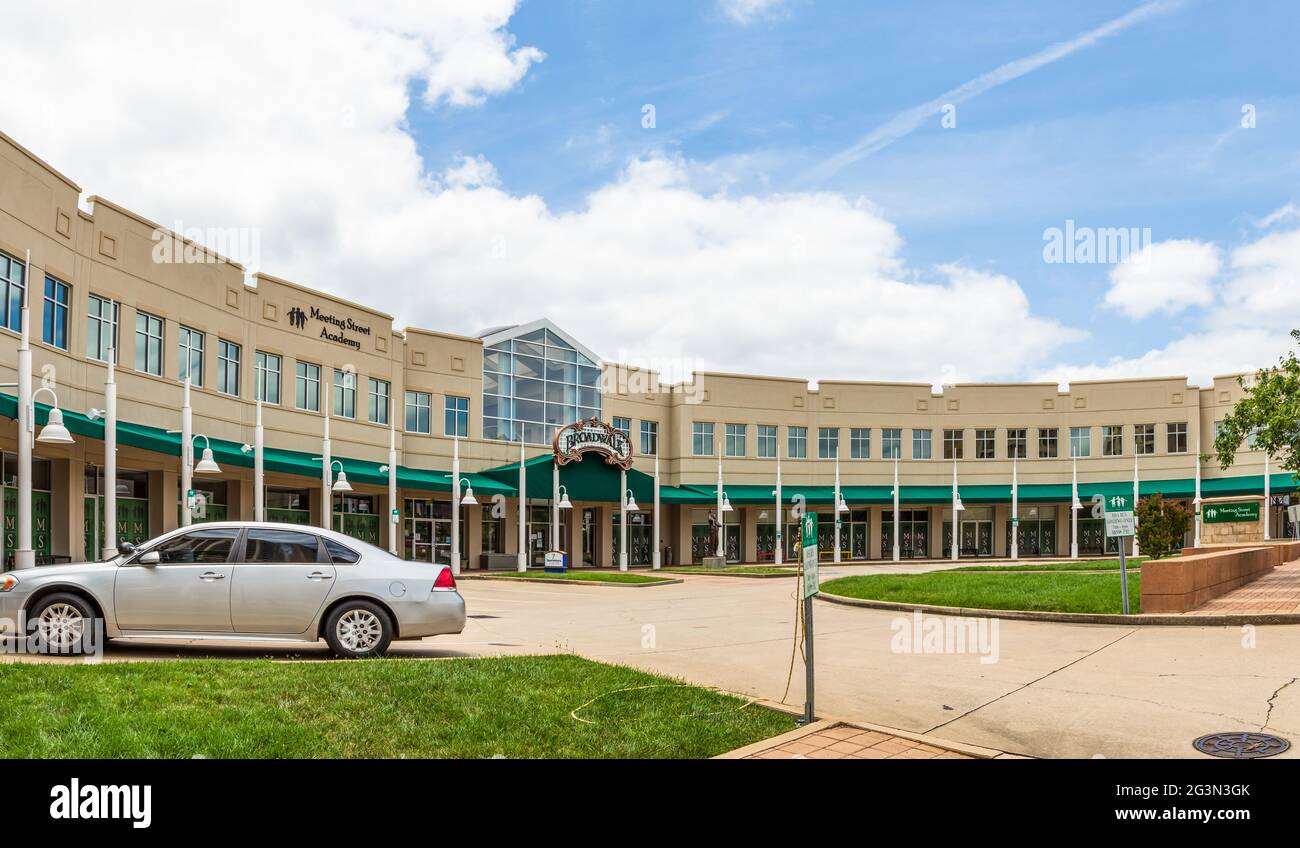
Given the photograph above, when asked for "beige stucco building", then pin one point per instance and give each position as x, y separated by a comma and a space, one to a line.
106, 278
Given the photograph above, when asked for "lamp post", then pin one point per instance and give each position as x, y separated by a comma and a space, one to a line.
1075, 507
259, 466
721, 552
1015, 508
956, 514
1196, 501
108, 544
622, 518
522, 561
779, 516
392, 480
840, 506
897, 541
1268, 498
455, 504
656, 558
24, 555
555, 506
326, 462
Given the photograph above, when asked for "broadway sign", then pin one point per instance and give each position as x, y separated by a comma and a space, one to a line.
592, 436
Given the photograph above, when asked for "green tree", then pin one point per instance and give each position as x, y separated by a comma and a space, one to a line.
1161, 526
1269, 414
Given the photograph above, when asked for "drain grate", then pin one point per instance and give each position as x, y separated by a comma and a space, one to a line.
1241, 746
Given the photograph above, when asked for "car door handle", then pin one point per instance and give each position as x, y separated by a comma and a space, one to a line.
211, 575
316, 575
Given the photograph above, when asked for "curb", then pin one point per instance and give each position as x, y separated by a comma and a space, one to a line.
732, 574
561, 582
1232, 620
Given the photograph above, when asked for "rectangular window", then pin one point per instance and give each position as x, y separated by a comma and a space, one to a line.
624, 426
227, 367
377, 401
650, 438
922, 444
1176, 437
266, 382
148, 344
345, 394
455, 414
101, 328
702, 438
736, 439
1017, 443
55, 329
13, 287
860, 442
191, 358
828, 442
953, 443
797, 442
986, 443
891, 443
767, 441
1080, 441
1112, 440
307, 386
1144, 439
418, 411
1047, 443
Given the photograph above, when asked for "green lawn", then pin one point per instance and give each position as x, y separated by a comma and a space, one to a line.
1094, 565
511, 706
731, 569
1061, 592
589, 576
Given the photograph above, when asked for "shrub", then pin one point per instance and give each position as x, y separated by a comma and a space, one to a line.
1161, 526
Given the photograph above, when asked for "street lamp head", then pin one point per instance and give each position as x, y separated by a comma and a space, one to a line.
383, 469
1077, 504
341, 483
843, 505
95, 414
630, 503
959, 506
54, 433
564, 502
207, 465
469, 499
246, 448
726, 503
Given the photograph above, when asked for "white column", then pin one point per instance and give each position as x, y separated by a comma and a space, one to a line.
897, 541
622, 520
779, 554
1268, 496
1196, 501
187, 454
838, 521
326, 463
956, 517
24, 555
110, 461
555, 505
1074, 513
259, 466
392, 482
722, 524
455, 505
522, 561
1135, 500
1015, 508
656, 559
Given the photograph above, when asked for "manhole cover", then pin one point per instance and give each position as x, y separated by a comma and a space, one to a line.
1241, 746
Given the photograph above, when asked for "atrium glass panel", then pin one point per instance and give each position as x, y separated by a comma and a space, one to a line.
535, 383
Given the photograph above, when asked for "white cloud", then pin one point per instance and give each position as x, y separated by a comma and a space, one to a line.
1167, 276
1199, 356
1278, 215
1263, 289
228, 115
746, 12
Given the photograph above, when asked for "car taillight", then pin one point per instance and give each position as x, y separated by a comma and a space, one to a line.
445, 580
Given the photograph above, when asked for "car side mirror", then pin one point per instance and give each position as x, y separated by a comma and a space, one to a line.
126, 548
149, 558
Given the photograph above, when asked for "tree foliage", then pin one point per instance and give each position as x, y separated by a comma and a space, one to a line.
1269, 413
1161, 526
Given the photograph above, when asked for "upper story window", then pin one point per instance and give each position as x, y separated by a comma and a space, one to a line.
828, 442
891, 443
227, 367
1080, 441
345, 393
623, 425
986, 443
191, 358
54, 330
1144, 439
736, 439
13, 287
797, 442
418, 410
1048, 443
1112, 440
650, 438
702, 438
266, 380
1176, 437
860, 442
455, 413
148, 343
377, 401
536, 379
1017, 443
101, 327
922, 444
953, 444
306, 386
767, 441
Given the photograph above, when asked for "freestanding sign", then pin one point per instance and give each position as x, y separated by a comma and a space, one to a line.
811, 580
1120, 524
1225, 513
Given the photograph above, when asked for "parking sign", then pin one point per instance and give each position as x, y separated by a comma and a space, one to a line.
811, 578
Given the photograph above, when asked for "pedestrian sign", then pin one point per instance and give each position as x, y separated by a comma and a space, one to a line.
1120, 520
810, 575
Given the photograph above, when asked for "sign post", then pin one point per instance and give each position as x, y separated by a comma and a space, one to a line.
1121, 523
811, 585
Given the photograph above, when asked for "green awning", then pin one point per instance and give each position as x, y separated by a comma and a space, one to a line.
590, 479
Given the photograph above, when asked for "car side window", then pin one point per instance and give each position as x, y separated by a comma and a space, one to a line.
281, 546
198, 546
340, 554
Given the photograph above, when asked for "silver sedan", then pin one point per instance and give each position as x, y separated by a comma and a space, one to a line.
238, 580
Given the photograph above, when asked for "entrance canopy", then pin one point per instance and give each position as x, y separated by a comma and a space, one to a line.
590, 479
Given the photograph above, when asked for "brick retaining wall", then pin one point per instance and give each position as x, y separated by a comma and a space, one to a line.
1188, 582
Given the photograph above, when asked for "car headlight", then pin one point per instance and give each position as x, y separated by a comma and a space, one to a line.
7, 582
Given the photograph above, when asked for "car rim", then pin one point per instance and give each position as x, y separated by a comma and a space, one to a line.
61, 625
359, 630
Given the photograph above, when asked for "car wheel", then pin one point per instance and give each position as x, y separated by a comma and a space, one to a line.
61, 621
358, 629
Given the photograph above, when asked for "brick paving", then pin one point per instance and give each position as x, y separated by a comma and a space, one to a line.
849, 742
1272, 593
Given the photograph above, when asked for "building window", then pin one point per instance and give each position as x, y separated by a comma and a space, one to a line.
986, 441
767, 441
191, 358
55, 329
1017, 443
891, 443
1112, 440
702, 438
1047, 443
13, 285
227, 367
650, 438
1080, 441
345, 394
307, 386
922, 444
419, 407
797, 442
953, 443
101, 327
534, 383
860, 442
455, 416
828, 442
148, 344
1144, 439
736, 439
266, 380
624, 426
1176, 437
377, 401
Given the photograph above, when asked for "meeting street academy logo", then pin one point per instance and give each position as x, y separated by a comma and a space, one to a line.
297, 318
334, 328
100, 801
